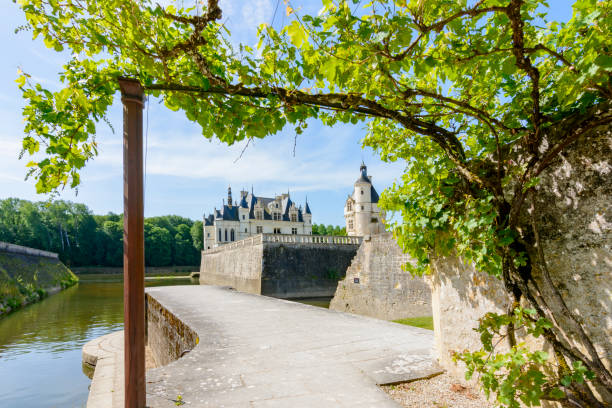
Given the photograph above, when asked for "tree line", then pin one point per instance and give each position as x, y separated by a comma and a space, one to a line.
82, 238
321, 229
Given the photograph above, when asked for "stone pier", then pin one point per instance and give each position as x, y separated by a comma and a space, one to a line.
282, 266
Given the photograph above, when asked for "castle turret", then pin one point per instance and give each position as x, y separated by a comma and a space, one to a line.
361, 209
307, 215
229, 197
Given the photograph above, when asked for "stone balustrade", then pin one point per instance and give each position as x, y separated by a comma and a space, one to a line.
285, 238
311, 239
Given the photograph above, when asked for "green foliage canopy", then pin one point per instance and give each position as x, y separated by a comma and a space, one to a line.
478, 98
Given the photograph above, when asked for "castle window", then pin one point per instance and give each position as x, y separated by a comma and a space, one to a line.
259, 215
245, 230
276, 205
350, 224
362, 208
294, 231
225, 235
259, 229
293, 217
349, 206
374, 220
232, 235
277, 230
219, 235
276, 216
361, 192
208, 235
243, 216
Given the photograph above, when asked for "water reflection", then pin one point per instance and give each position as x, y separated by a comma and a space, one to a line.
40, 345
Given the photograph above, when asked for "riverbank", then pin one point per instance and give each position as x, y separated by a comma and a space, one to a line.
26, 278
149, 270
101, 278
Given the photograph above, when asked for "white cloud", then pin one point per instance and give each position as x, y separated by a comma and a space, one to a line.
256, 12
263, 162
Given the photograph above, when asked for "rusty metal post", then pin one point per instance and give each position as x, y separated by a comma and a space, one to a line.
132, 95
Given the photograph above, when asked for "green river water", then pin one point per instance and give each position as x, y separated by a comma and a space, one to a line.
40, 345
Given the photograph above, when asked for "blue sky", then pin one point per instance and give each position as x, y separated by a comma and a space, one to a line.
187, 174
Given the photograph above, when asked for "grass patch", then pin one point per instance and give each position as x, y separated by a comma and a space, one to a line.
424, 322
24, 279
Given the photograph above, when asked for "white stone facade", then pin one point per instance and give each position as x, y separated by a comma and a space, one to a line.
255, 215
361, 212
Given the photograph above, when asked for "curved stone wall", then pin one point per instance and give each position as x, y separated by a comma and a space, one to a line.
168, 337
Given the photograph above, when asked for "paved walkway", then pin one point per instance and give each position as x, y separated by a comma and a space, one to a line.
256, 351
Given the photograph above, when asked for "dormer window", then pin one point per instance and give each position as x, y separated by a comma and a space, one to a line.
276, 216
293, 217
349, 206
259, 214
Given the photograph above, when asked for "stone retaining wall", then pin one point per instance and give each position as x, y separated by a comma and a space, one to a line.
18, 249
304, 270
168, 337
376, 286
29, 275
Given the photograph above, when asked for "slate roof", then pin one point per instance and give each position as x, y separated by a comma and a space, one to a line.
249, 201
363, 178
374, 195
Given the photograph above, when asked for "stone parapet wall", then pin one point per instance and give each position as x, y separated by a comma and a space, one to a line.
376, 286
284, 266
168, 337
238, 266
18, 249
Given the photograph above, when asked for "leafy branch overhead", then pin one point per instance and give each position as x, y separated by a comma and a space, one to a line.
479, 98
467, 78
